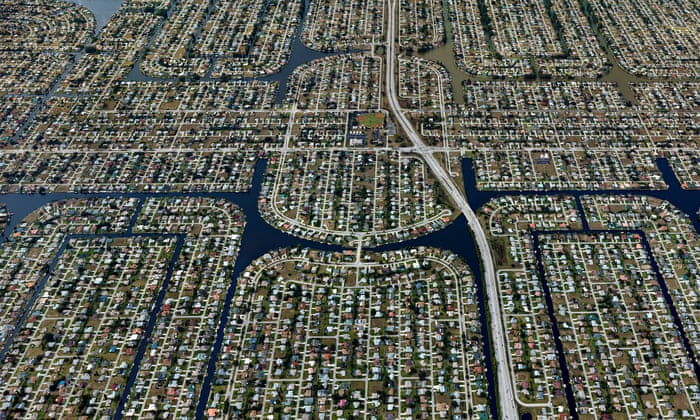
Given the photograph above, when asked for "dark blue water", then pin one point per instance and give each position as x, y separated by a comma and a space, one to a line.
102, 9
149, 328
686, 200
561, 356
555, 329
259, 238
254, 245
299, 55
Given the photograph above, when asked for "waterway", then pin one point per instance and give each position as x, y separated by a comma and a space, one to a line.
444, 55
103, 10
568, 389
299, 55
259, 237
685, 200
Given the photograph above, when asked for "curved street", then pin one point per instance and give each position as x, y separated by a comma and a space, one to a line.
506, 396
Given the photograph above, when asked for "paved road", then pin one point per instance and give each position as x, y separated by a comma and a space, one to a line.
505, 384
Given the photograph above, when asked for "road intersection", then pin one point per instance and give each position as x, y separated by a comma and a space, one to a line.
505, 384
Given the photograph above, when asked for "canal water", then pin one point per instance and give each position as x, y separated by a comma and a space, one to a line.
259, 237
686, 200
444, 55
568, 389
299, 55
561, 356
102, 9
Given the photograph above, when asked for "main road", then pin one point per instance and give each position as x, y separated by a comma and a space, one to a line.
506, 396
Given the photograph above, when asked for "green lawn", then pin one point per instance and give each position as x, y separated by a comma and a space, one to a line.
374, 120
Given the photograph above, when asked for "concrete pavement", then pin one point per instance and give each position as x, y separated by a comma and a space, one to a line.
506, 395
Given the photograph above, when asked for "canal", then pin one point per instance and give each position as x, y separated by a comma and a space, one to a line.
259, 237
